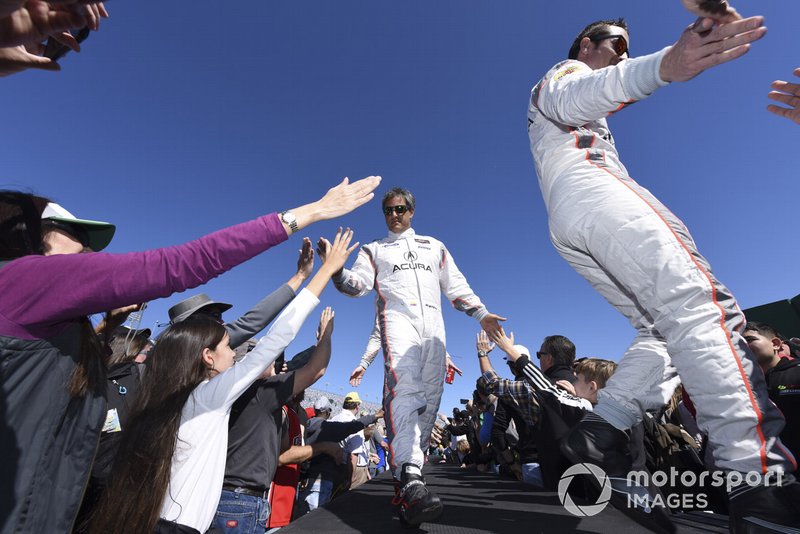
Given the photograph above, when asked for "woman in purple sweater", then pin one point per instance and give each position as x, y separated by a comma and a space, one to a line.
52, 372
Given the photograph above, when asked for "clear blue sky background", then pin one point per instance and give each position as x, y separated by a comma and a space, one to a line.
179, 118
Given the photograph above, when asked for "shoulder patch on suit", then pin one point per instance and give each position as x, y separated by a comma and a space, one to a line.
569, 70
426, 241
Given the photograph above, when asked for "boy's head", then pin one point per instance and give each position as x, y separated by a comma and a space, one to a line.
764, 341
592, 375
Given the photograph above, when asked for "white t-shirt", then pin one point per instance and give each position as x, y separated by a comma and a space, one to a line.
354, 443
198, 465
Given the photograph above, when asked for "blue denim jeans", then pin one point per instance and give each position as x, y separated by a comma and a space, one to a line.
532, 474
318, 494
238, 513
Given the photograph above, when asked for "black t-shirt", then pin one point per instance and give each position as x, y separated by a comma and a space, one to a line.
254, 438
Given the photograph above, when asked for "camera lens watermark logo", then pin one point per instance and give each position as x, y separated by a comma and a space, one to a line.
602, 482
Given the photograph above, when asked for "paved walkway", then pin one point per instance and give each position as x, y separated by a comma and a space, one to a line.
474, 503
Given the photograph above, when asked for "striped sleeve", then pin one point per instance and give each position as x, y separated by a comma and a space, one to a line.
540, 383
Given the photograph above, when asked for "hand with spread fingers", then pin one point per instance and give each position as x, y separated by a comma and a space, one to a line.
706, 44
789, 94
340, 250
483, 344
506, 344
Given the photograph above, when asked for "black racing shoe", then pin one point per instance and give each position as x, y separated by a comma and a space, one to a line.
595, 441
415, 504
765, 508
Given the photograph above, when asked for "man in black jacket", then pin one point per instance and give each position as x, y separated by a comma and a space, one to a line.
556, 357
783, 378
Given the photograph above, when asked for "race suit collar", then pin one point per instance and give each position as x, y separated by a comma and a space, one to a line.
404, 235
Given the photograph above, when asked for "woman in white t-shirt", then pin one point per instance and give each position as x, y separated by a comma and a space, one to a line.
169, 469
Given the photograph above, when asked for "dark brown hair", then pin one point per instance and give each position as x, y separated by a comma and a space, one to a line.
20, 236
139, 479
125, 345
20, 224
595, 28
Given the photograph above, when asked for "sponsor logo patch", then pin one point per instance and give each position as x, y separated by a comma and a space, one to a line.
568, 70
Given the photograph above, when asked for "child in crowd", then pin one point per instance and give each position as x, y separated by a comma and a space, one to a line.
559, 410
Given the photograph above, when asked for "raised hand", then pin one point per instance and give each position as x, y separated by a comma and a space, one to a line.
789, 94
506, 344
719, 10
491, 324
33, 21
356, 376
346, 197
706, 44
323, 246
305, 262
325, 328
483, 344
340, 250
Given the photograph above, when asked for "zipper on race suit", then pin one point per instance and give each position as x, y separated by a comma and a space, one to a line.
419, 290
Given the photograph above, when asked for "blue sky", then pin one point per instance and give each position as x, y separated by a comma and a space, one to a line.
183, 118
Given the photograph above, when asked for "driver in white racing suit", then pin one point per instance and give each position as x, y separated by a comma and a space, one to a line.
408, 273
641, 258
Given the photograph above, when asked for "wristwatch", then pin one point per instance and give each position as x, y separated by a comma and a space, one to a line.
290, 220
483, 354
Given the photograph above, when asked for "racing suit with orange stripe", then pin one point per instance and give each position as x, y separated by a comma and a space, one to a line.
641, 258
409, 273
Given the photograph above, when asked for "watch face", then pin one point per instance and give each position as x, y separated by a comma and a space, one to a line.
288, 217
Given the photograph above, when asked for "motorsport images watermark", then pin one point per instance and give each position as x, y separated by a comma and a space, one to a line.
635, 485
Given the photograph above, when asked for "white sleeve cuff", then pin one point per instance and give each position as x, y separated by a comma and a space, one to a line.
642, 78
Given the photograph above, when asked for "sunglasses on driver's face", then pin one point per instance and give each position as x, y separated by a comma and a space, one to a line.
401, 209
619, 43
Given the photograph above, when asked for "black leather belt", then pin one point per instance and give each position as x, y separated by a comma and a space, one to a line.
245, 491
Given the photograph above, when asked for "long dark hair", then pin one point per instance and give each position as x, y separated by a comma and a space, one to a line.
132, 501
20, 224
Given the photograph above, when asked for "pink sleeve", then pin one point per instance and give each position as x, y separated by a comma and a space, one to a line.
40, 292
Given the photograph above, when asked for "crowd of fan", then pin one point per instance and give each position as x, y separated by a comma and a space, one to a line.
514, 427
191, 441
